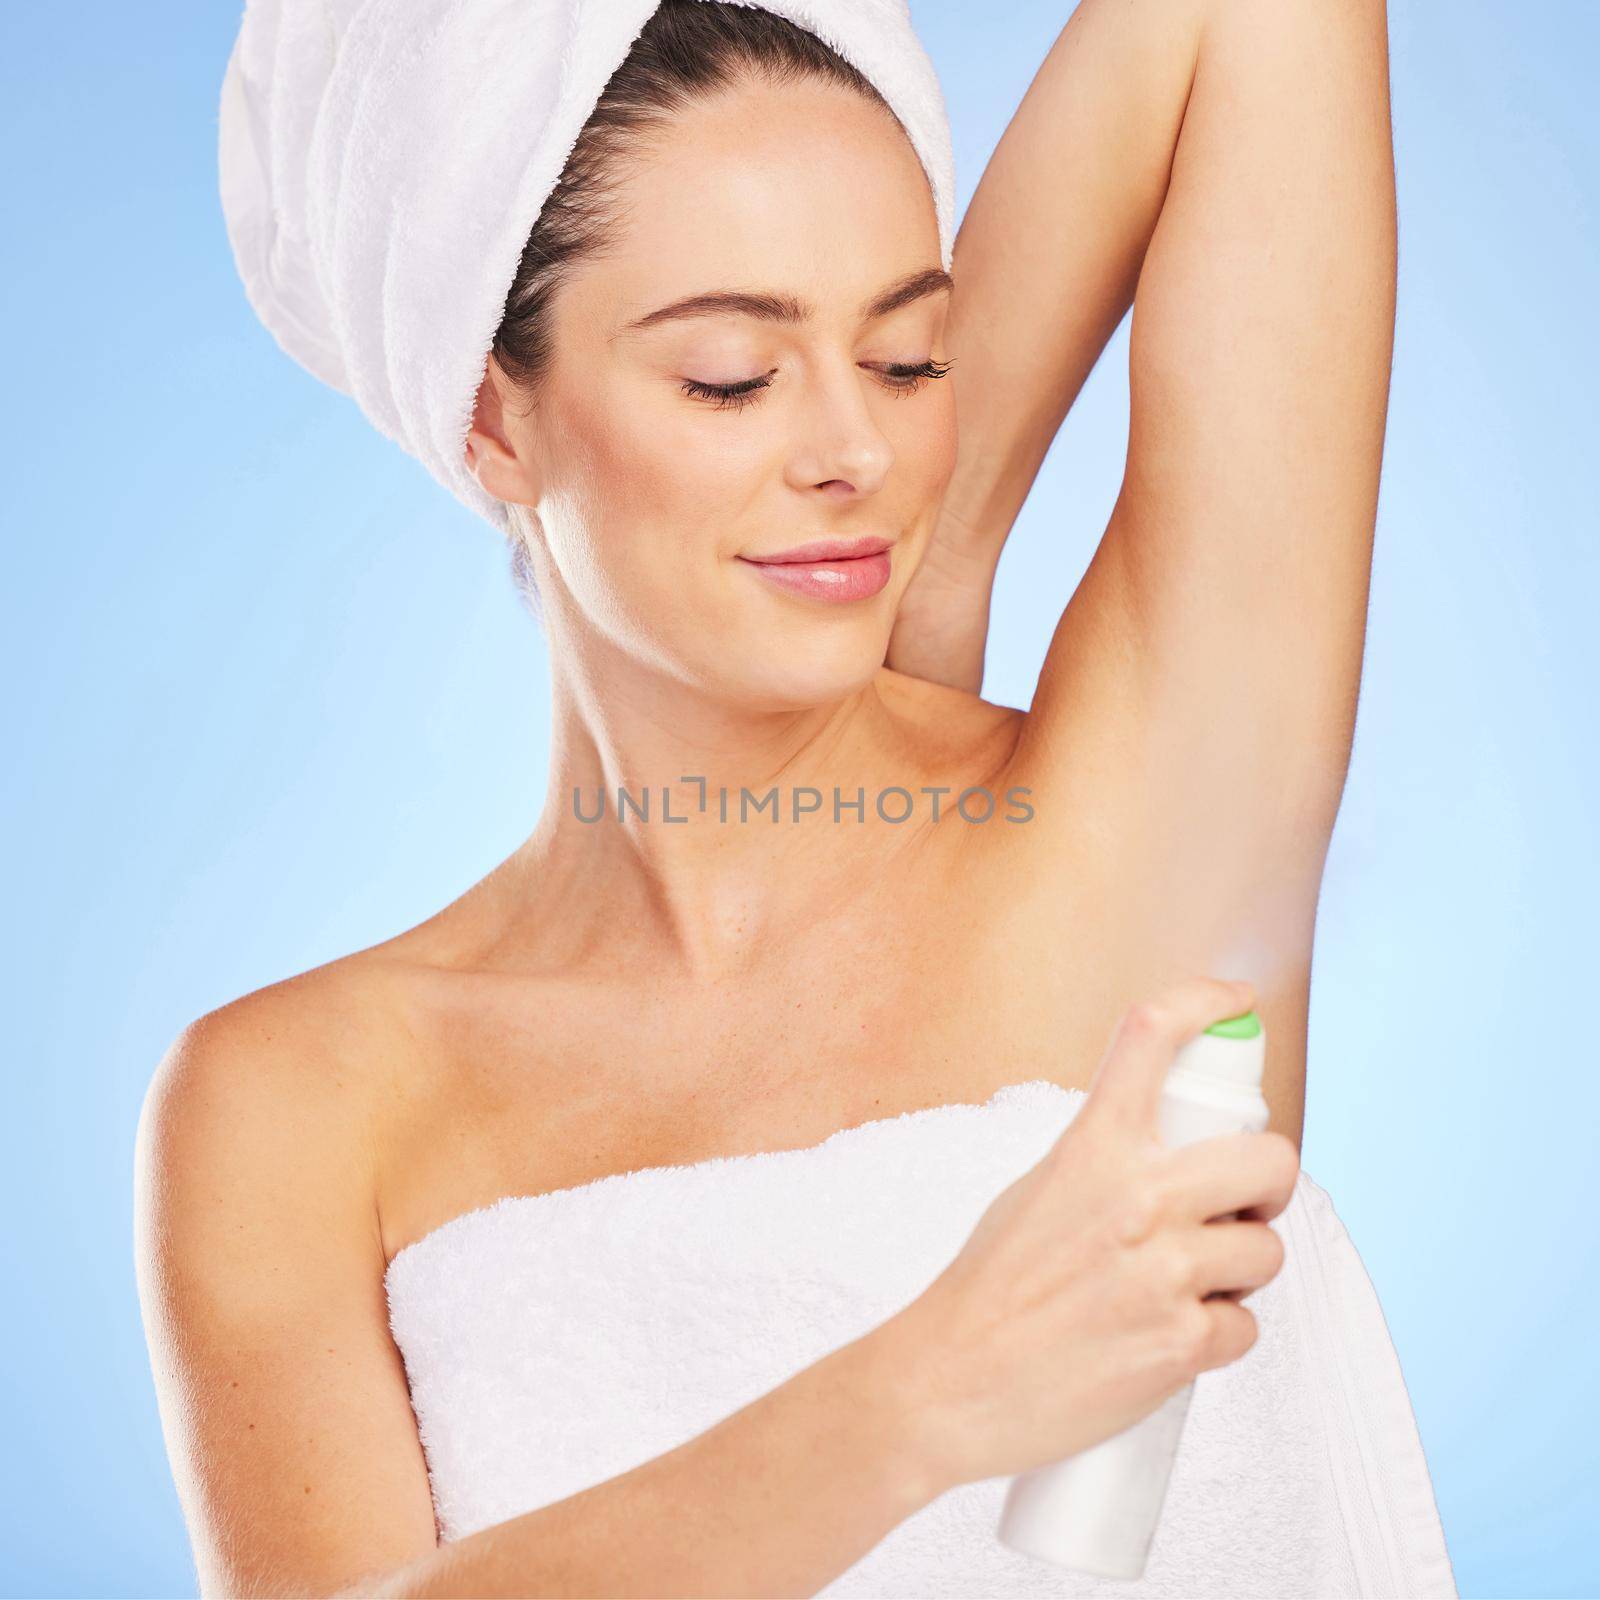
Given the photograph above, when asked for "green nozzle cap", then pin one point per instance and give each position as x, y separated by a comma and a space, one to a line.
1247, 1025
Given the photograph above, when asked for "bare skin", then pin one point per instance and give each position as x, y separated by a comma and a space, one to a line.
619, 996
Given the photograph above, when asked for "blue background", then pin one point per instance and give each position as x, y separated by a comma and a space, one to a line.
271, 698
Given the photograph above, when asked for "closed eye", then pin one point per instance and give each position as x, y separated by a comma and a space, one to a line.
903, 378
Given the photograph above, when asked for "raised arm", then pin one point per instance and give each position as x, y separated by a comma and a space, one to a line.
1045, 264
1192, 726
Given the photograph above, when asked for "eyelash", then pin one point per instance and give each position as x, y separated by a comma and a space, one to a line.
736, 396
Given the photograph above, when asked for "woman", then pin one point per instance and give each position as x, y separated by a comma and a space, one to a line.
487, 1155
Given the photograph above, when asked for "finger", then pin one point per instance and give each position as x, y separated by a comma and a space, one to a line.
1253, 1174
1233, 1331
1234, 1257
1128, 1081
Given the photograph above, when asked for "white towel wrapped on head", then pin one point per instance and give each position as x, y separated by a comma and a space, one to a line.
382, 163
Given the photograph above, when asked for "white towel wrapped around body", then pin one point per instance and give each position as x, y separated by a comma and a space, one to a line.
382, 163
554, 1341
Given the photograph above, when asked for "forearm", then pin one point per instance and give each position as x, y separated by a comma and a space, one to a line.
941, 628
1046, 263
1052, 243
777, 1499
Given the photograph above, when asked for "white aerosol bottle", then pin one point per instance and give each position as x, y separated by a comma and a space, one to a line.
1097, 1511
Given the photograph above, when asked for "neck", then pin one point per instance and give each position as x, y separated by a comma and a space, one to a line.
683, 826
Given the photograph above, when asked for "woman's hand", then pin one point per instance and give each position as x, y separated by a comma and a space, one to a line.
942, 626
1095, 1286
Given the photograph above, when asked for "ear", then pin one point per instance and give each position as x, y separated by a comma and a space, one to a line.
497, 459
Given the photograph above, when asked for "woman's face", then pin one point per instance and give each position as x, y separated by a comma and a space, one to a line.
654, 493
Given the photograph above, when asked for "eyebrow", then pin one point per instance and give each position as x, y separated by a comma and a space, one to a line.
788, 308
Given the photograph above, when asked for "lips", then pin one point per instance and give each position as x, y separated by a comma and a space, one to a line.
823, 550
832, 570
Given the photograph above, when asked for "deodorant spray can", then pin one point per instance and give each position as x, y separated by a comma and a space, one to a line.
1097, 1511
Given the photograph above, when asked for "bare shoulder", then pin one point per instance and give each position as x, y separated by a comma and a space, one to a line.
271, 1099
316, 1039
260, 1272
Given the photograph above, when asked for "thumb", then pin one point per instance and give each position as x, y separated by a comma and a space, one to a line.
1128, 1081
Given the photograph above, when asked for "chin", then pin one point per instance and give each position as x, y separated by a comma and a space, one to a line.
792, 672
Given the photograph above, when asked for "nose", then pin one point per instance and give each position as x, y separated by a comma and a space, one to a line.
841, 449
